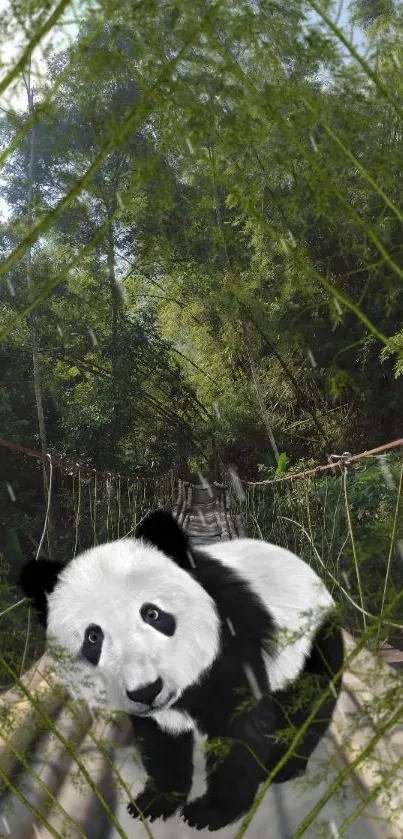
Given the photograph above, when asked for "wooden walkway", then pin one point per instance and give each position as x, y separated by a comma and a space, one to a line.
203, 511
361, 710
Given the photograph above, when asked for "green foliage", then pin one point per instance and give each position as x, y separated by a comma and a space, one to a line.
216, 245
281, 464
312, 516
198, 215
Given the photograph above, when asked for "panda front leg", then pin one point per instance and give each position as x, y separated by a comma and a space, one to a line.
168, 761
235, 769
232, 784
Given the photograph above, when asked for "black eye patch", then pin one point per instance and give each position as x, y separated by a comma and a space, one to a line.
162, 621
92, 644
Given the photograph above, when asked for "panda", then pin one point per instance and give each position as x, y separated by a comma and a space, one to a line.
239, 641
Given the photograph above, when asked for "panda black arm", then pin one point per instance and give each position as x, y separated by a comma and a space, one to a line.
168, 761
255, 747
240, 730
235, 769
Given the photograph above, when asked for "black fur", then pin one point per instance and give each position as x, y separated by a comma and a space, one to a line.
224, 707
37, 579
161, 530
246, 629
261, 736
168, 761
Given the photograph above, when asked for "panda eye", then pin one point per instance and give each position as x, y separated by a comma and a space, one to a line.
163, 622
94, 635
92, 644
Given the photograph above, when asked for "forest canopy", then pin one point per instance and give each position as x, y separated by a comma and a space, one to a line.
201, 232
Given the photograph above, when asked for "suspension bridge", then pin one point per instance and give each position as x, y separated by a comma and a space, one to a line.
65, 773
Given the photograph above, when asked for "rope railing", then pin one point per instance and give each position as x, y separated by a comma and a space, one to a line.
65, 463
336, 461
345, 519
321, 513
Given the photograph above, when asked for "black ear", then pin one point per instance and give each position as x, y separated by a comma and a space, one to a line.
37, 579
161, 530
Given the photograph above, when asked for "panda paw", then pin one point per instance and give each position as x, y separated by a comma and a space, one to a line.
153, 805
202, 813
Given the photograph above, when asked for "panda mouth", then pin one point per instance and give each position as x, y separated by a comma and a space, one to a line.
166, 702
149, 710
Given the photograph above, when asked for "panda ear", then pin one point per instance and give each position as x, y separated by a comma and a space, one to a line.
160, 529
37, 579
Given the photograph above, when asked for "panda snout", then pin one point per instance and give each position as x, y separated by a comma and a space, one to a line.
146, 694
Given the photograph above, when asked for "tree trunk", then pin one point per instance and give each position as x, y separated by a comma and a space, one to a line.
114, 298
33, 319
261, 402
114, 308
302, 399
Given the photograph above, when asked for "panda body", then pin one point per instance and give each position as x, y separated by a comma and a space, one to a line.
219, 640
294, 595
290, 590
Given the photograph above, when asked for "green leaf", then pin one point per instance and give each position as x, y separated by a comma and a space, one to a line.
281, 464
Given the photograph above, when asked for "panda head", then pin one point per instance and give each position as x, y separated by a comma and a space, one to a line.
134, 626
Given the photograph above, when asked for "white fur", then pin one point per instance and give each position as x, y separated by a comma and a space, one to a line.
107, 586
290, 589
176, 722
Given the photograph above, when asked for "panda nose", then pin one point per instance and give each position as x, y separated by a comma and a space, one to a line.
146, 694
